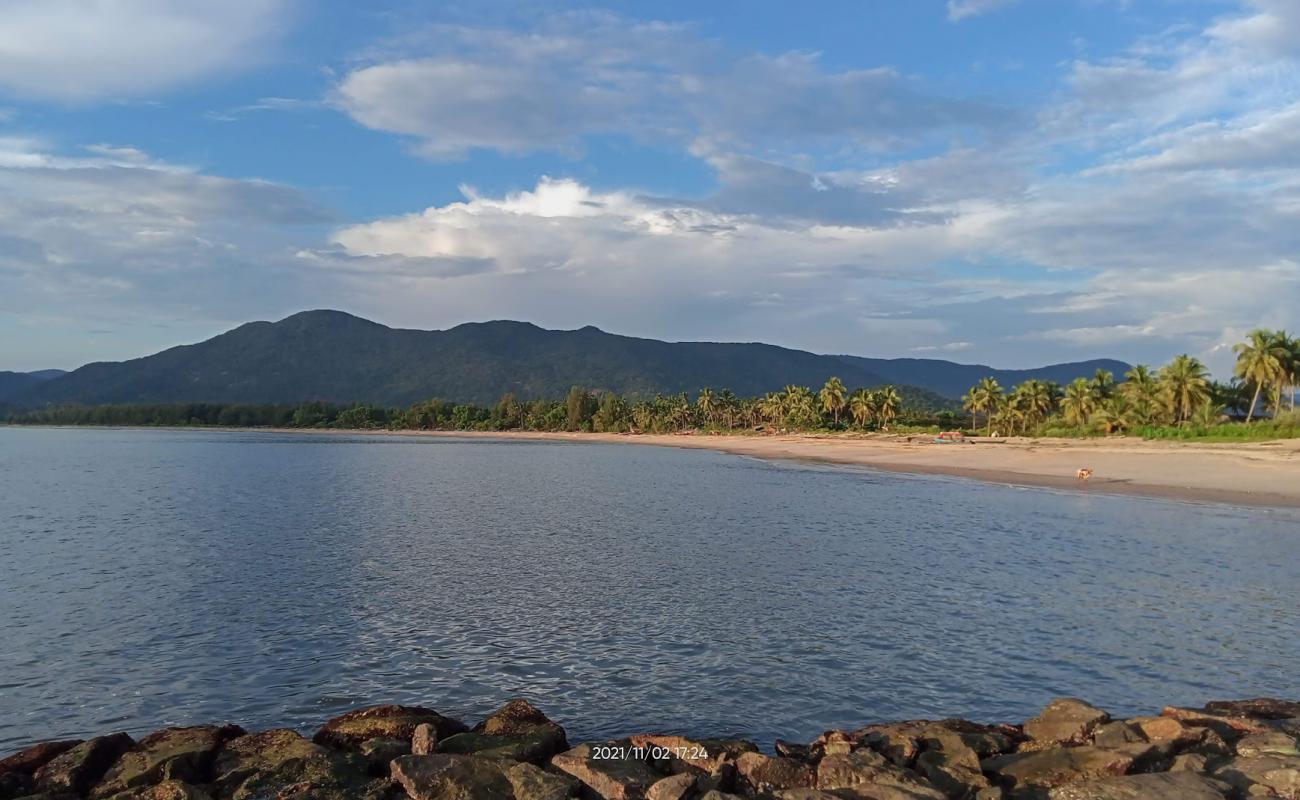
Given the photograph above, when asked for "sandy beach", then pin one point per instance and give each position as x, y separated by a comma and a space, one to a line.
1254, 473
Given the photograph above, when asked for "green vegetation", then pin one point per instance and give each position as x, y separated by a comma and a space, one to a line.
792, 408
1179, 401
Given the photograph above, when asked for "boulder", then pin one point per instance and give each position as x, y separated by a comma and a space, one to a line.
1158, 786
379, 753
949, 764
443, 776
1228, 726
1066, 720
516, 718
517, 731
26, 762
674, 787
348, 731
757, 773
424, 740
1259, 708
867, 773
1269, 743
902, 742
1058, 766
281, 764
608, 778
167, 790
80, 767
1262, 776
181, 754
533, 783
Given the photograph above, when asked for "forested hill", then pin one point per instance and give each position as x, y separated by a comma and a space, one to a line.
340, 358
953, 380
12, 383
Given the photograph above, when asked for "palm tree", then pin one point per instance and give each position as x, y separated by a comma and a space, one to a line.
984, 398
832, 397
1260, 362
1115, 416
1037, 399
1142, 391
1102, 385
1080, 402
727, 403
888, 405
862, 407
1185, 384
706, 404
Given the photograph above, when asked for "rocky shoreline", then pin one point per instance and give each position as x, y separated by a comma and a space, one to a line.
1071, 751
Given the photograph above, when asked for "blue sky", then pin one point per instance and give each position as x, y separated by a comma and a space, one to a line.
1005, 181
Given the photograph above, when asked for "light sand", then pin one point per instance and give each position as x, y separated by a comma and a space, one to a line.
1257, 473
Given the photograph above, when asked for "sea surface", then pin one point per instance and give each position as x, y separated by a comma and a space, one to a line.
150, 578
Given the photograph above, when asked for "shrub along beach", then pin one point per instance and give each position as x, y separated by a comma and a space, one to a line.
1070, 751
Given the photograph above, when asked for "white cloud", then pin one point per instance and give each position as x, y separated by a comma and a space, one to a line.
456, 89
85, 50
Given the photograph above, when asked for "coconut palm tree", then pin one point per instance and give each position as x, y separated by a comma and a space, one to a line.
727, 406
984, 398
861, 407
832, 398
1102, 385
1260, 361
1142, 391
1115, 416
888, 404
707, 404
1080, 402
1037, 400
1185, 385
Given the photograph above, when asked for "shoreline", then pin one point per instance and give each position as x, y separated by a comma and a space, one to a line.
1252, 474
1071, 751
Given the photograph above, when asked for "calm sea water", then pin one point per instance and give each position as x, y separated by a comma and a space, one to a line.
154, 577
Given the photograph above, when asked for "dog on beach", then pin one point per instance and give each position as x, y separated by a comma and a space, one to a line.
1084, 474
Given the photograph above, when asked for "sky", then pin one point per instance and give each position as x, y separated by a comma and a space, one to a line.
1007, 182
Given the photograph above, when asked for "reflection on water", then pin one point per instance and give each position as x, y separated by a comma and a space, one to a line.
155, 577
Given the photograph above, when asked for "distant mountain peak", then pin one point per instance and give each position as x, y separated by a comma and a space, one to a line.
331, 355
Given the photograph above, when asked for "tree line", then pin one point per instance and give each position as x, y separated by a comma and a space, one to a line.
793, 408
1178, 394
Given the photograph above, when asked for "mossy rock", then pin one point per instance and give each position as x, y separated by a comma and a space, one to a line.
348, 731
177, 754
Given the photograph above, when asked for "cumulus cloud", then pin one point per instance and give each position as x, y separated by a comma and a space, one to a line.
110, 233
78, 51
455, 89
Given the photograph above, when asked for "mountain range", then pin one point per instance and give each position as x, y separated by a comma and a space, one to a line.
341, 358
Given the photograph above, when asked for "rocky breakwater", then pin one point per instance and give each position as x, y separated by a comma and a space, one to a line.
1071, 751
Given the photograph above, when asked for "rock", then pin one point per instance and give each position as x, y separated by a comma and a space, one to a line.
1066, 720
281, 764
1160, 786
1228, 726
867, 773
516, 718
80, 767
443, 776
1263, 776
517, 731
167, 790
1259, 708
424, 740
901, 742
26, 762
608, 778
1162, 729
1269, 743
1115, 734
348, 731
536, 747
756, 773
680, 754
533, 783
714, 794
951, 766
181, 754
799, 752
1190, 762
1056, 767
674, 787
379, 753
